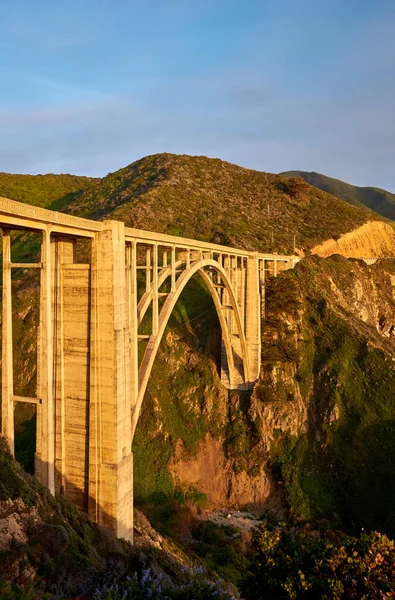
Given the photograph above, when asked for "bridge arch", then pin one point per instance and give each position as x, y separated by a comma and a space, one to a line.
204, 267
87, 363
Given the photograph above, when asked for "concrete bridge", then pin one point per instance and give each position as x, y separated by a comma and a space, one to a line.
90, 381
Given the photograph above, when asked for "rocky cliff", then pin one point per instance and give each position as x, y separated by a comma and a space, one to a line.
328, 366
372, 240
327, 380
49, 549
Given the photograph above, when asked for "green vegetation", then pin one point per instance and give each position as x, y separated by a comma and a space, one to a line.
177, 395
215, 201
379, 201
25, 435
303, 562
61, 544
48, 191
11, 485
223, 549
242, 443
342, 464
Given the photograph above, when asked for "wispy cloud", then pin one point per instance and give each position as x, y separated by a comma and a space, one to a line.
246, 120
270, 111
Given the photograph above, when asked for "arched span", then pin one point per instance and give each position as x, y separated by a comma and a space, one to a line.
171, 300
147, 296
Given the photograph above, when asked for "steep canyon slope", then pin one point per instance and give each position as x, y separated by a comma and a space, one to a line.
318, 427
327, 379
372, 240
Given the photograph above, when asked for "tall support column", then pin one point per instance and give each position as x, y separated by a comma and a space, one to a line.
7, 387
45, 366
63, 254
233, 272
110, 456
253, 319
148, 270
242, 290
131, 257
225, 294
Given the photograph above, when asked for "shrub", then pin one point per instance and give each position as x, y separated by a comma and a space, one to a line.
300, 562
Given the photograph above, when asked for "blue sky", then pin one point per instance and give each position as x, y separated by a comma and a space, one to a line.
89, 86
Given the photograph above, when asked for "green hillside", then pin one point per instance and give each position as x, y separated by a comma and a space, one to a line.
48, 191
378, 200
216, 201
341, 465
50, 551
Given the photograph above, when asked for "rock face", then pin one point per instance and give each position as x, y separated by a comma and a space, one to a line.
327, 380
372, 240
11, 524
48, 546
330, 351
210, 470
197, 438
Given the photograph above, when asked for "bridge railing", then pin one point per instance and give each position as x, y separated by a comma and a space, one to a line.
25, 216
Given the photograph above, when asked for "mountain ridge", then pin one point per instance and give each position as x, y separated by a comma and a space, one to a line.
379, 200
216, 201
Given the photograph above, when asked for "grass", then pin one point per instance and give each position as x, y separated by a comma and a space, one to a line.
47, 191
198, 197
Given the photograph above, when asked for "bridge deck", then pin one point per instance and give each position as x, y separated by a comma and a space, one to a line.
25, 216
